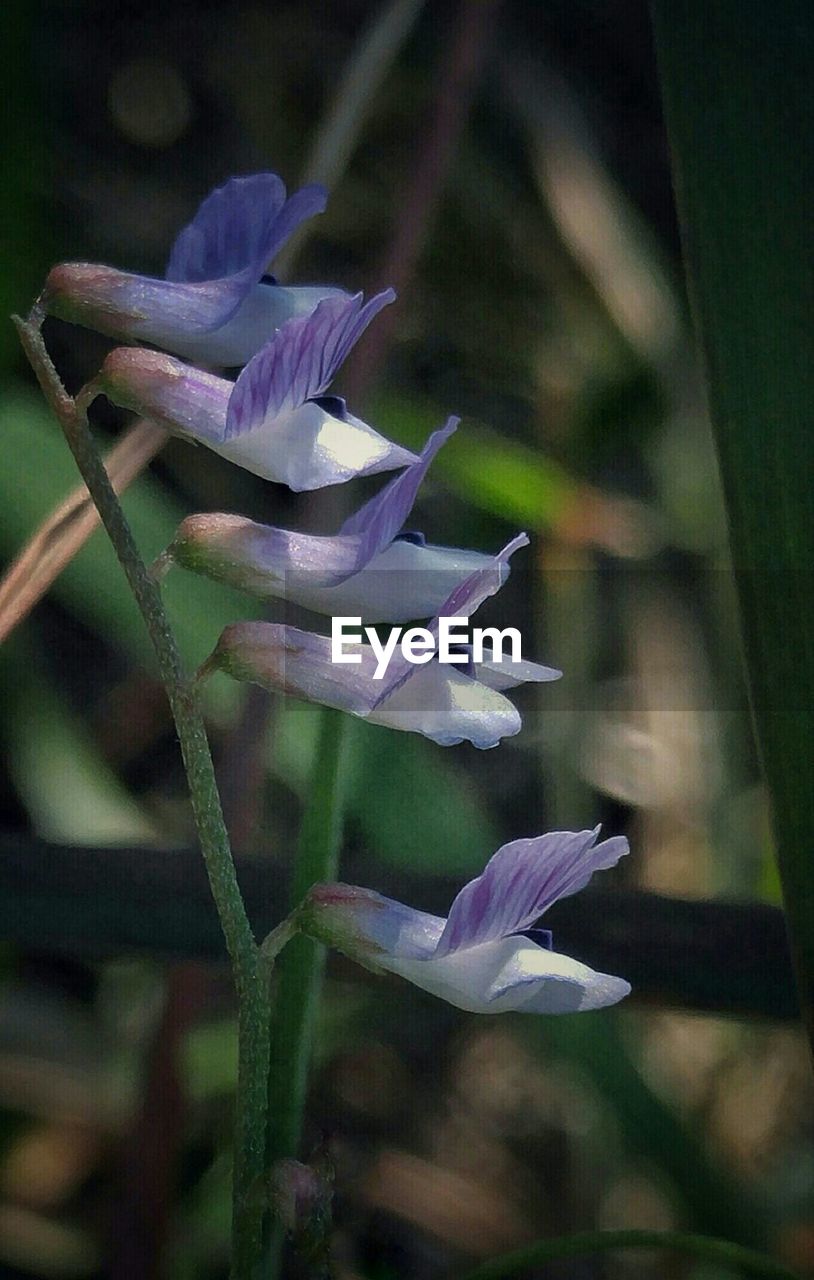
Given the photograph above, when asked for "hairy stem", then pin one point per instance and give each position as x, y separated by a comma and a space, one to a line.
252, 988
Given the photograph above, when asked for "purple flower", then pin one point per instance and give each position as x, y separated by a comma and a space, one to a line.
215, 306
446, 703
483, 957
275, 420
369, 568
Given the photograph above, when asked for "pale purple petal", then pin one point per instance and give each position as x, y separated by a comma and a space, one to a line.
504, 975
374, 526
213, 322
482, 584
180, 397
262, 559
300, 361
521, 881
403, 582
264, 308
367, 926
441, 704
297, 663
461, 603
123, 305
239, 228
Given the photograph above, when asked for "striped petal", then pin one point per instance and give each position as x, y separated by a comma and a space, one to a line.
463, 600
212, 306
300, 361
521, 881
240, 227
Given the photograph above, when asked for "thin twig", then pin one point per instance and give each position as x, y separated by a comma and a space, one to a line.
62, 534
455, 85
150, 1149
361, 77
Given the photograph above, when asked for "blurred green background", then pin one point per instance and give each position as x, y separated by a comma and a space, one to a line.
508, 162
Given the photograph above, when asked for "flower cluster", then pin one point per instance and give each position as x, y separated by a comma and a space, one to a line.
218, 310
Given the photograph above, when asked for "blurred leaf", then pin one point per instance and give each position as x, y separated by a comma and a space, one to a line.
93, 586
201, 1240
210, 1060
415, 806
732, 1257
69, 791
737, 92
711, 1198
496, 474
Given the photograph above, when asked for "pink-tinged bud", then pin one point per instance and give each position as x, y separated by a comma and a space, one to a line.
231, 549
175, 315
301, 1199
89, 294
287, 660
176, 395
360, 923
245, 652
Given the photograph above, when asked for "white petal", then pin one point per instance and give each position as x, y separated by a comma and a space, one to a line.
308, 448
448, 707
464, 978
535, 980
512, 974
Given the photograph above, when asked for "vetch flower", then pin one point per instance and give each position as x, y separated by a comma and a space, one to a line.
275, 420
216, 305
370, 568
485, 957
446, 703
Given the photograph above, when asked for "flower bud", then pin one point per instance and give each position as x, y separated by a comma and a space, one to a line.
364, 925
300, 1197
176, 395
139, 308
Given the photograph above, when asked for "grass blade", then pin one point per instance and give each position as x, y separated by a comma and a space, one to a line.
737, 91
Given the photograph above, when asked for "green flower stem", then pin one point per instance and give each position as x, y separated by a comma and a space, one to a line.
300, 968
733, 1256
736, 79
250, 976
